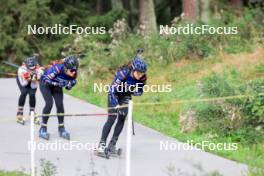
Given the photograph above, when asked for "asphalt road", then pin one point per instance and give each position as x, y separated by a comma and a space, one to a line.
149, 158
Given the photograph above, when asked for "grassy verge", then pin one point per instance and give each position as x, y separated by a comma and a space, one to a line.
13, 173
184, 76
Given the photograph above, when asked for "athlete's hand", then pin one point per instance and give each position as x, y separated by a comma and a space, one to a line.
117, 107
137, 93
62, 84
58, 84
70, 84
121, 110
26, 76
34, 78
54, 83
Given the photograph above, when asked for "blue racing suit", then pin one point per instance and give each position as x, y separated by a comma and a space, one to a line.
121, 90
124, 85
56, 76
51, 86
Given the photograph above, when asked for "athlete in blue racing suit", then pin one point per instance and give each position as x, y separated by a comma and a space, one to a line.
129, 80
51, 86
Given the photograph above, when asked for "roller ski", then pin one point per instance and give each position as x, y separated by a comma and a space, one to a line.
20, 119
43, 133
102, 151
112, 150
115, 152
63, 133
36, 121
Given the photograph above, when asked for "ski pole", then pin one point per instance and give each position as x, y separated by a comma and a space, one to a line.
133, 127
139, 51
10, 64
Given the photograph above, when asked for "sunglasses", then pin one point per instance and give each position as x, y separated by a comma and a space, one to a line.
32, 67
73, 70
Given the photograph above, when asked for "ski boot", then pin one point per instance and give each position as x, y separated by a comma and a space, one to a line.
36, 119
112, 148
102, 151
43, 132
20, 119
63, 133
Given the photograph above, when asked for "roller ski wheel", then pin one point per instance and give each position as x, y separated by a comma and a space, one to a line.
102, 153
43, 133
36, 121
20, 119
112, 148
119, 152
64, 134
115, 152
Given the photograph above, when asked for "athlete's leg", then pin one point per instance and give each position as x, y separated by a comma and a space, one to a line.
32, 99
120, 122
58, 97
109, 123
22, 97
46, 91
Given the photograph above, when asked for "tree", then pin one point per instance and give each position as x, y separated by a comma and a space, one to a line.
190, 9
205, 10
127, 6
236, 3
99, 7
102, 6
117, 4
147, 17
175, 8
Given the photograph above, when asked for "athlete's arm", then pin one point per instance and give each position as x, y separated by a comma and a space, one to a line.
120, 76
23, 76
140, 86
52, 73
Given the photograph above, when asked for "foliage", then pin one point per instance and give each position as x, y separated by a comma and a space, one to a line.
240, 118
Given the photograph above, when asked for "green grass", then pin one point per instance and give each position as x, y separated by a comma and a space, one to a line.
12, 173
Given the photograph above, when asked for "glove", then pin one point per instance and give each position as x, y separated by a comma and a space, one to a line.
70, 84
122, 111
62, 84
137, 93
26, 76
34, 78
54, 83
58, 84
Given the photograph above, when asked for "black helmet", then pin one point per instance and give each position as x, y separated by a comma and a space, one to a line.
71, 62
139, 65
31, 62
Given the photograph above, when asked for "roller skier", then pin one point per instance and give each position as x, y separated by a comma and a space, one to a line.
28, 76
129, 81
59, 75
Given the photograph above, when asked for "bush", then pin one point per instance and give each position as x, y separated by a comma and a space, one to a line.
253, 107
241, 119
216, 86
